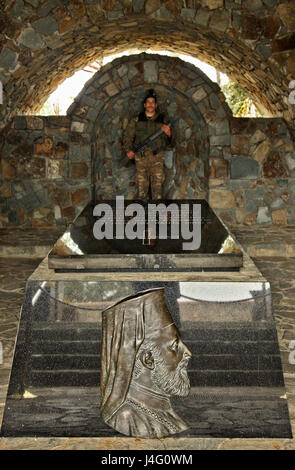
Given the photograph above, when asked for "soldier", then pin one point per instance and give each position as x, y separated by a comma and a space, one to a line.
150, 162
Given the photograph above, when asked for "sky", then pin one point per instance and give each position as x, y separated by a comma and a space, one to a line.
70, 88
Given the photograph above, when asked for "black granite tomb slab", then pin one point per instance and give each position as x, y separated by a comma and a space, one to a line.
237, 386
79, 250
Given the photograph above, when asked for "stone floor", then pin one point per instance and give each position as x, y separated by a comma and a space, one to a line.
279, 270
209, 412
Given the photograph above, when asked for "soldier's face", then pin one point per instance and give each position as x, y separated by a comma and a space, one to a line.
150, 106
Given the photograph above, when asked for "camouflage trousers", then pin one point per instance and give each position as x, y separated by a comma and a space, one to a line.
149, 171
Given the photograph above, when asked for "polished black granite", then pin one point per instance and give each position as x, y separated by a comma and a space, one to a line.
78, 249
235, 371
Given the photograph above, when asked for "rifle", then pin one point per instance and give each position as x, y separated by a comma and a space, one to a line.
148, 141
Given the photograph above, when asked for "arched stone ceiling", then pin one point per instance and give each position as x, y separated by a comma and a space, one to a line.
42, 42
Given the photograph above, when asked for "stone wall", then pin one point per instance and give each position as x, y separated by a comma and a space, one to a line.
254, 181
42, 42
45, 172
193, 103
245, 166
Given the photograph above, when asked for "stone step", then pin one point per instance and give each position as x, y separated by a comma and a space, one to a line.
203, 362
28, 242
67, 354
93, 332
226, 378
67, 333
197, 347
266, 240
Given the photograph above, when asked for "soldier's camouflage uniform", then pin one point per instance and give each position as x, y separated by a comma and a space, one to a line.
150, 162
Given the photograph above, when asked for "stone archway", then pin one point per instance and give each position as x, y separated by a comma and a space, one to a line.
46, 173
44, 42
191, 100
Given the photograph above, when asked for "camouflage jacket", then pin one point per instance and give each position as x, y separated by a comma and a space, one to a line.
140, 127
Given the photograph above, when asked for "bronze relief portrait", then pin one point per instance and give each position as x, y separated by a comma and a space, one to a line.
143, 363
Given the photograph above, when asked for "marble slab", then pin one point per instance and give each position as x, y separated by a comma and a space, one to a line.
79, 250
237, 386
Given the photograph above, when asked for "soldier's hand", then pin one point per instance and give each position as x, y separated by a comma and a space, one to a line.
166, 129
130, 154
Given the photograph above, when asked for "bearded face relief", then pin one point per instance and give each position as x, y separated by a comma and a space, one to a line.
171, 357
142, 367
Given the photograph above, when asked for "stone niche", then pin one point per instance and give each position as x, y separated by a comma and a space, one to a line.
191, 101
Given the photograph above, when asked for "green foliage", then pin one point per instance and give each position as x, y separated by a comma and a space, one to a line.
49, 109
239, 101
235, 96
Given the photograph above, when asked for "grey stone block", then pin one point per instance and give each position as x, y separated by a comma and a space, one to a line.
17, 8
188, 13
44, 198
92, 114
162, 13
85, 153
215, 152
263, 216
214, 100
220, 140
126, 81
188, 133
199, 94
122, 70
244, 168
46, 26
34, 3
74, 153
47, 7
8, 59
87, 100
132, 71
138, 5
202, 17
255, 5
150, 71
277, 203
220, 112
271, 3
7, 149
265, 50
169, 158
290, 158
115, 14
219, 20
77, 126
20, 122
29, 202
